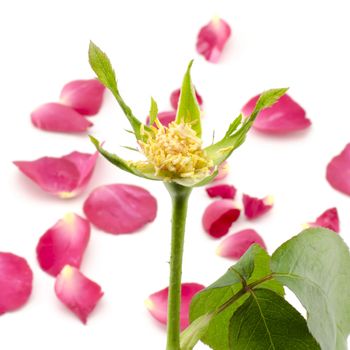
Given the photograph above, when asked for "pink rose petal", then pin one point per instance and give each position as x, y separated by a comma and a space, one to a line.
223, 171
329, 219
78, 293
224, 191
175, 96
157, 303
16, 280
338, 171
165, 118
234, 246
65, 177
120, 208
84, 96
219, 216
255, 207
60, 118
63, 244
212, 38
284, 117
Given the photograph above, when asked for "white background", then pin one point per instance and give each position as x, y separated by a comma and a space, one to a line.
300, 44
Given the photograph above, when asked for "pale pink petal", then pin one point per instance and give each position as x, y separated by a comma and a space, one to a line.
165, 118
212, 38
175, 96
338, 171
120, 208
16, 279
65, 177
223, 171
85, 96
255, 207
224, 191
284, 117
219, 216
60, 118
157, 303
234, 246
63, 244
329, 219
77, 292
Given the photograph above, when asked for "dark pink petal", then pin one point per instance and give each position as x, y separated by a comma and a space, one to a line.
165, 118
234, 246
77, 292
85, 96
175, 96
60, 118
65, 177
338, 171
157, 303
16, 280
329, 219
255, 207
284, 117
63, 244
120, 208
223, 171
212, 39
219, 216
224, 191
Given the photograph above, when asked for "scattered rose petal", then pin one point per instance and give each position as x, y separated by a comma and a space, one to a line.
234, 246
329, 219
65, 177
338, 171
120, 208
212, 38
165, 118
63, 244
222, 171
157, 303
60, 118
219, 216
78, 293
255, 207
284, 117
224, 191
175, 96
85, 96
16, 280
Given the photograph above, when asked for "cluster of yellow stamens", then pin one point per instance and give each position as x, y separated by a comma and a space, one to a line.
175, 151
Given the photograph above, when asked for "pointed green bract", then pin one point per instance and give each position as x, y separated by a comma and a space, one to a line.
188, 110
238, 129
153, 112
102, 66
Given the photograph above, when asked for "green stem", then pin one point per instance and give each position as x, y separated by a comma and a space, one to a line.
179, 196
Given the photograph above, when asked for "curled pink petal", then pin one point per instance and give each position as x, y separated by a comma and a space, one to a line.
329, 219
223, 171
63, 244
78, 293
224, 191
255, 207
212, 38
120, 208
65, 177
165, 118
157, 303
16, 279
60, 118
338, 171
175, 96
284, 117
84, 96
219, 216
234, 246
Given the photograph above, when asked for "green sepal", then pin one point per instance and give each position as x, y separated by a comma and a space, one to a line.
153, 112
188, 110
193, 182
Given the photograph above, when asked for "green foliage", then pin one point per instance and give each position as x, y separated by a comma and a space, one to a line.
153, 112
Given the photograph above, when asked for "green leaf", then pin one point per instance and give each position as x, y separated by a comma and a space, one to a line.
233, 138
153, 112
267, 321
315, 265
188, 110
254, 265
102, 66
